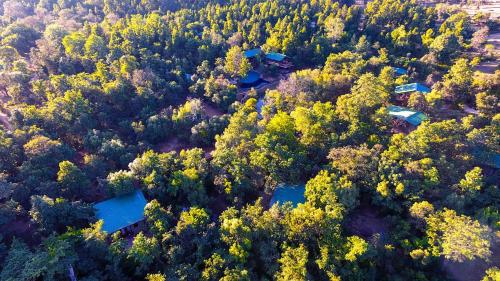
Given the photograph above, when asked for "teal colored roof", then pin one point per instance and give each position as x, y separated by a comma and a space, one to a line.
413, 87
415, 118
251, 77
400, 71
289, 193
122, 211
275, 56
252, 53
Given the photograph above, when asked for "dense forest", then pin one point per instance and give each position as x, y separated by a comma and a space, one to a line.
102, 98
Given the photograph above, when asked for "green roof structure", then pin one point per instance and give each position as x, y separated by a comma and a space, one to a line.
275, 56
252, 53
289, 193
413, 87
122, 211
415, 118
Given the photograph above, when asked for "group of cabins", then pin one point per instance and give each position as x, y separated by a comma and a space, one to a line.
256, 56
405, 117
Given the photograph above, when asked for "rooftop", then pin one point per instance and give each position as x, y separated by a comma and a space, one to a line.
400, 71
251, 77
413, 87
252, 53
275, 56
122, 211
415, 118
289, 193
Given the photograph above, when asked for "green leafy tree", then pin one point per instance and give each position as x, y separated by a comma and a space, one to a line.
72, 181
458, 237
57, 214
120, 183
236, 64
279, 154
144, 252
293, 264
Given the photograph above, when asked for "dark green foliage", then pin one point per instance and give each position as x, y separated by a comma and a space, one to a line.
101, 98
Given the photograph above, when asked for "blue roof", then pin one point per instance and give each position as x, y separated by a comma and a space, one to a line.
275, 56
413, 87
415, 118
289, 193
400, 71
122, 211
251, 77
252, 53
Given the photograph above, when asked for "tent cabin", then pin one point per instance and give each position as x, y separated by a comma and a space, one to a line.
400, 71
403, 92
253, 56
121, 212
288, 193
252, 53
405, 117
252, 79
412, 87
279, 60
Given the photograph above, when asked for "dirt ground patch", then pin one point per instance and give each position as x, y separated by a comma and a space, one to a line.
492, 7
24, 229
491, 66
4, 120
367, 223
211, 110
472, 270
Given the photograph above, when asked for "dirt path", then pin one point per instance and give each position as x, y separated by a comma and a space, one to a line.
368, 223
4, 120
211, 110
492, 7
491, 66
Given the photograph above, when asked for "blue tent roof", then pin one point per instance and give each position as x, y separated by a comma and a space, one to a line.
400, 71
252, 53
122, 211
251, 77
275, 56
289, 193
413, 87
415, 118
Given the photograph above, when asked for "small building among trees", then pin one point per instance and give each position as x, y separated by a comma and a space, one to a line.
294, 194
252, 79
412, 87
252, 53
122, 211
400, 71
405, 117
278, 59
403, 92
